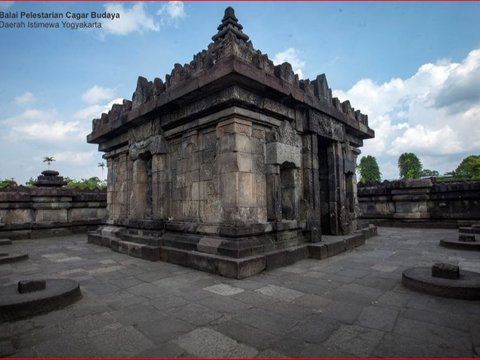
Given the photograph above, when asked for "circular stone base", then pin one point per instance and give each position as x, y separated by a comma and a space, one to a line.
9, 258
58, 293
463, 245
467, 287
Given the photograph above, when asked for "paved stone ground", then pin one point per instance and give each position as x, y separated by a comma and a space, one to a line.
349, 305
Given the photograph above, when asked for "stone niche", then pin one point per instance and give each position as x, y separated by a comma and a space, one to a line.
229, 162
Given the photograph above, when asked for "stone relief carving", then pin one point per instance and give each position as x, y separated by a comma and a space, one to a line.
154, 145
344, 220
325, 126
283, 145
285, 134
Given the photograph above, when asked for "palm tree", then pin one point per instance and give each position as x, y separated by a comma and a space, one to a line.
101, 165
48, 160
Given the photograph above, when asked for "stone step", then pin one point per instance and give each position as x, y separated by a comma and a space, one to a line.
152, 253
145, 232
332, 246
5, 242
213, 263
181, 242
97, 239
286, 256
142, 239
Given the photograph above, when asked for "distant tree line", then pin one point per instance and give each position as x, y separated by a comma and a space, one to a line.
410, 167
90, 183
7, 182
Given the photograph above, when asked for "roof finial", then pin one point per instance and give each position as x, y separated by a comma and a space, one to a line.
230, 24
230, 18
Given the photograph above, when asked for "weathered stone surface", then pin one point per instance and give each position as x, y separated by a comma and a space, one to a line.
27, 212
420, 202
205, 342
5, 242
278, 153
280, 293
224, 289
10, 258
466, 237
27, 286
445, 271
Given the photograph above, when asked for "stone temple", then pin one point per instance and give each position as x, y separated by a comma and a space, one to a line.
232, 165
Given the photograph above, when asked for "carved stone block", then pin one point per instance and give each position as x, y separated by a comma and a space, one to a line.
445, 271
28, 286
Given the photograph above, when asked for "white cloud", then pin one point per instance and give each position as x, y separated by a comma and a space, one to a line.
43, 126
33, 133
171, 11
30, 115
77, 158
46, 131
433, 113
25, 99
421, 139
462, 87
134, 19
94, 111
97, 94
291, 56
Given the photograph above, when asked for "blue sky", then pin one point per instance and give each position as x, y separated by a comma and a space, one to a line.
414, 68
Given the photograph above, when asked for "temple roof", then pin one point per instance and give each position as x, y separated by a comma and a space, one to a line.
230, 54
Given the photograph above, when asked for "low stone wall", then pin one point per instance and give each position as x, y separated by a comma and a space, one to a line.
422, 203
42, 211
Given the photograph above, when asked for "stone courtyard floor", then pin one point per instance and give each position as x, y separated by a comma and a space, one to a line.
349, 305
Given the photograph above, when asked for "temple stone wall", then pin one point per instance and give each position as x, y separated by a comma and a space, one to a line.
420, 203
38, 212
117, 186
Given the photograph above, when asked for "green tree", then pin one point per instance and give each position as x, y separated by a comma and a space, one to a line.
7, 182
31, 182
469, 168
369, 170
48, 160
409, 166
91, 183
